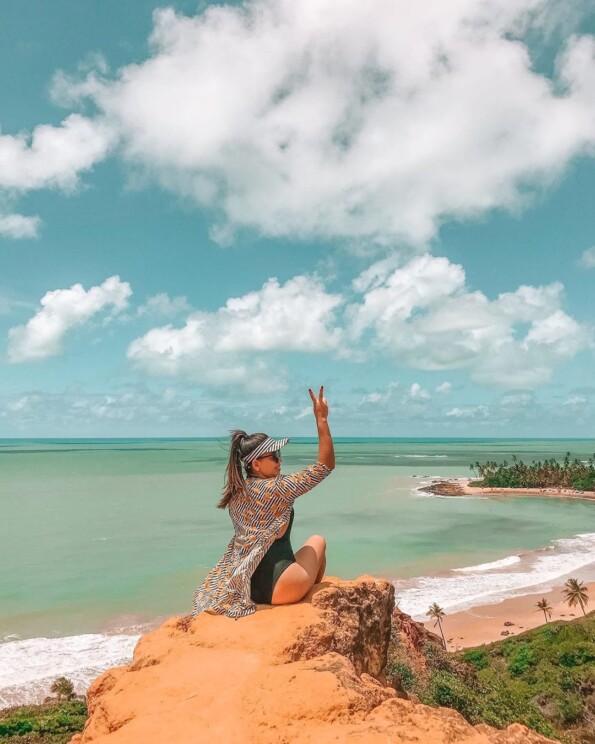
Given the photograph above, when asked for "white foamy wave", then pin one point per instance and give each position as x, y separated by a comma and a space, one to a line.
510, 561
28, 668
441, 457
459, 590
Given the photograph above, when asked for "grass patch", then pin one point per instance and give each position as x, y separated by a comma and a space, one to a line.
49, 723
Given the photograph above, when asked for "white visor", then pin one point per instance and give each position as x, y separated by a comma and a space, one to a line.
269, 445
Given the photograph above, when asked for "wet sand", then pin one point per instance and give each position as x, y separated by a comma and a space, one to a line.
486, 623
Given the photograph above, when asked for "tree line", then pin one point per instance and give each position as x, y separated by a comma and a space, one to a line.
570, 473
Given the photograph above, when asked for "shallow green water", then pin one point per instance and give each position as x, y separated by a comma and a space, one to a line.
112, 532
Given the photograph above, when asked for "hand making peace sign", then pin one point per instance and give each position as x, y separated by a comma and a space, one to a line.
320, 405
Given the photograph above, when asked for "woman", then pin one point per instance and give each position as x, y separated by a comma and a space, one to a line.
259, 565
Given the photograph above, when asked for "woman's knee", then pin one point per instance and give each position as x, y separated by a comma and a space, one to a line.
318, 541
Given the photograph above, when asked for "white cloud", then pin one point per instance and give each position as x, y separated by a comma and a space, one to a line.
62, 310
575, 400
52, 157
444, 388
588, 258
217, 348
517, 400
138, 410
375, 120
296, 316
419, 284
394, 399
379, 398
469, 412
423, 314
83, 411
19, 226
417, 393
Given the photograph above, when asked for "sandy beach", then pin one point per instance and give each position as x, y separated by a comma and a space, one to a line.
487, 623
456, 487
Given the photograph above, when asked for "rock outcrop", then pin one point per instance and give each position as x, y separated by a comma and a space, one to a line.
304, 674
413, 635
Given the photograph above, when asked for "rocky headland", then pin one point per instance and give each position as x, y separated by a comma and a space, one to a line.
304, 673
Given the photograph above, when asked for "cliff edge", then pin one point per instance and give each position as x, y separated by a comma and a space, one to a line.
304, 673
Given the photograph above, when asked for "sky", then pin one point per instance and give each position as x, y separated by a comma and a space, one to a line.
207, 208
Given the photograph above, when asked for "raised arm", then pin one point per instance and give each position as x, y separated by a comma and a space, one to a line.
326, 449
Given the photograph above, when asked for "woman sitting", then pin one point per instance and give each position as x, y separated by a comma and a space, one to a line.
259, 565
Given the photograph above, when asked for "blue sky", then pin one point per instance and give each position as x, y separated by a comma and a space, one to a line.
206, 209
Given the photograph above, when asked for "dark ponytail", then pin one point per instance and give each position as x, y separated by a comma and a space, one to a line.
241, 444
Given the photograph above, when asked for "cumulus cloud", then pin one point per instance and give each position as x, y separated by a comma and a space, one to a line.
424, 281
373, 120
49, 157
588, 258
417, 393
19, 226
422, 313
218, 348
62, 310
52, 156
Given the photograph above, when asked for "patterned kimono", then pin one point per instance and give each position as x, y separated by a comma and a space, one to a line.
257, 517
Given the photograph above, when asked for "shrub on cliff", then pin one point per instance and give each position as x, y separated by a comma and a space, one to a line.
50, 723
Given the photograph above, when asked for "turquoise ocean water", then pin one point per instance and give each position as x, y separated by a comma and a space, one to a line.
101, 537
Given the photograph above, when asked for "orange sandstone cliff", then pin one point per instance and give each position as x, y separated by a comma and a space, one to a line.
306, 673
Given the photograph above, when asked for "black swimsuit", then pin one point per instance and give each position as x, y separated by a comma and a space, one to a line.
277, 558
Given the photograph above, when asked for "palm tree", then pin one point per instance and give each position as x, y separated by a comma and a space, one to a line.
437, 612
576, 593
63, 688
545, 607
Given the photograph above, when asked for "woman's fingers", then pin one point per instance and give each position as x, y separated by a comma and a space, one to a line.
320, 401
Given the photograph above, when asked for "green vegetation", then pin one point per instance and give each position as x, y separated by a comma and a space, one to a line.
547, 474
53, 722
543, 678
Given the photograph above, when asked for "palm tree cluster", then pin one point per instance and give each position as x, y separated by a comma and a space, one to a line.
575, 593
547, 474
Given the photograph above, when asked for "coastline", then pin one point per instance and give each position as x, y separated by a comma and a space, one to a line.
461, 487
485, 624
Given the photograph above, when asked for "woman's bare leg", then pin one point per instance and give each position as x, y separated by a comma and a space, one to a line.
321, 570
297, 580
